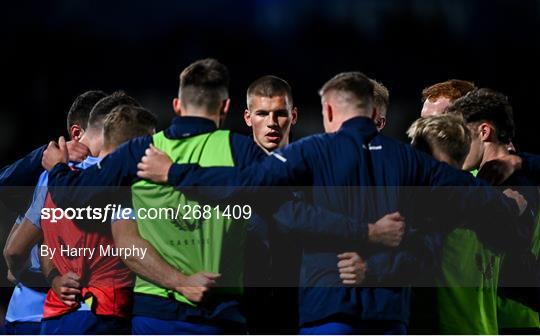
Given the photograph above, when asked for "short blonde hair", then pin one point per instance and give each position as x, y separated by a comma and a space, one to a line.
447, 132
126, 122
354, 87
381, 96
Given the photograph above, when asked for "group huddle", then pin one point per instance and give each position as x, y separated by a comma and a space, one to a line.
345, 232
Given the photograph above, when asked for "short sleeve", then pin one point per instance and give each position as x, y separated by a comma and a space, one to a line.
33, 214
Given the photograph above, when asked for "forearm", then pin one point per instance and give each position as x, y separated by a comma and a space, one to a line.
209, 184
64, 188
16, 258
285, 169
80, 188
23, 172
16, 262
83, 188
304, 218
14, 228
20, 244
46, 265
469, 196
152, 267
15, 178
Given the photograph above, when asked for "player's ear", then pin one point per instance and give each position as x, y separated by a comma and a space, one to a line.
224, 109
226, 104
329, 112
177, 106
247, 118
486, 132
294, 115
381, 122
76, 132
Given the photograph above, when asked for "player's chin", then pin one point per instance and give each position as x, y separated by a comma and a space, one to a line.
271, 145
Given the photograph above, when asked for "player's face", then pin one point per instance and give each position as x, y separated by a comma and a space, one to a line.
270, 119
474, 158
434, 106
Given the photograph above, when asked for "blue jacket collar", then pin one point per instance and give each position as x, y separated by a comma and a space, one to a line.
362, 123
88, 162
182, 127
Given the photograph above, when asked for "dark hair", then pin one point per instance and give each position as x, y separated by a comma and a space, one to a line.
489, 106
204, 83
107, 104
270, 86
355, 83
81, 107
451, 89
447, 132
125, 122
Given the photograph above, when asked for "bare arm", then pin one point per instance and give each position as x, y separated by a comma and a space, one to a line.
19, 245
8, 240
46, 265
154, 268
66, 287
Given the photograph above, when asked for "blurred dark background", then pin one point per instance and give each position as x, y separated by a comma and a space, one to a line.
53, 50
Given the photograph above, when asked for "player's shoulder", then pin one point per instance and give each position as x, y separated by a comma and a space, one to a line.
244, 149
520, 178
128, 153
315, 139
386, 145
241, 138
135, 145
143, 140
381, 138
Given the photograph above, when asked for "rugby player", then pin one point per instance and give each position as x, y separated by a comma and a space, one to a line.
173, 291
272, 257
25, 308
489, 116
453, 307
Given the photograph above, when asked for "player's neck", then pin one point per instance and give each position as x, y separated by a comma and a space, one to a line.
94, 143
202, 113
105, 152
493, 151
354, 113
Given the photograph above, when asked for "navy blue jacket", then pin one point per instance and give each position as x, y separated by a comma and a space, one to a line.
356, 155
18, 180
23, 172
531, 166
